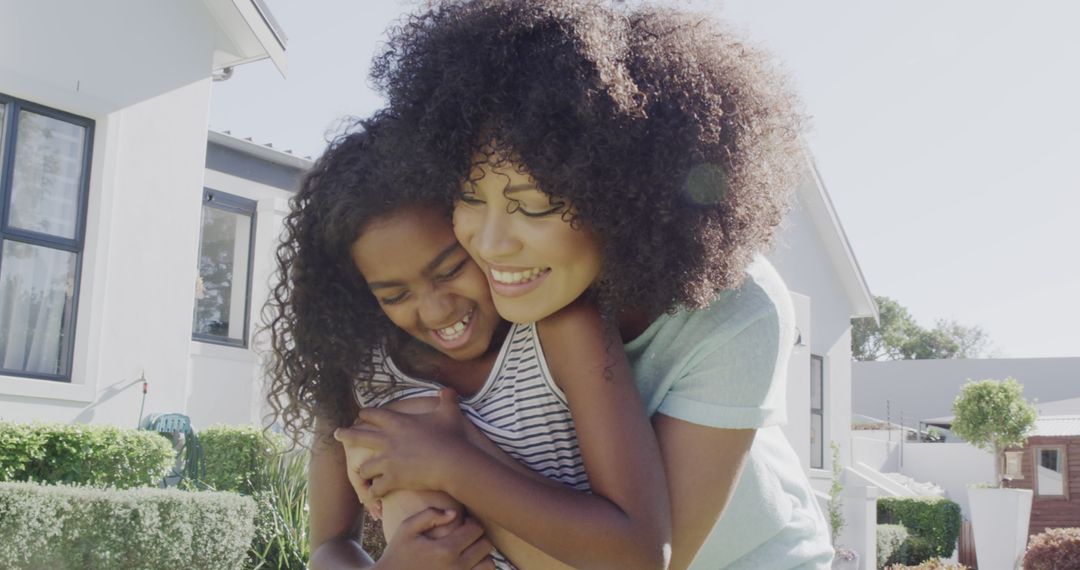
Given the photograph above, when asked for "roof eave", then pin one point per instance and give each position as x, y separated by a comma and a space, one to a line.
251, 31
838, 245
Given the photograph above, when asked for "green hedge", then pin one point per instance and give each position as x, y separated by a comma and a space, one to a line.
889, 539
933, 522
83, 454
236, 457
62, 527
245, 460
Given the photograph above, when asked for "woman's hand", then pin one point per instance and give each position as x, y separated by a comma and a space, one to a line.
388, 451
463, 548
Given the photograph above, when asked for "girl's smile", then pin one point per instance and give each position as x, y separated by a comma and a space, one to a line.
426, 283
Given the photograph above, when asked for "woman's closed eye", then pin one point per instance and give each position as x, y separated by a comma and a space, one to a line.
469, 198
530, 211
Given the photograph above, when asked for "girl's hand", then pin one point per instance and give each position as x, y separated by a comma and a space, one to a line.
404, 451
463, 548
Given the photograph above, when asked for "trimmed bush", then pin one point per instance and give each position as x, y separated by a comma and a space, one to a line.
236, 457
58, 526
1053, 549
83, 454
933, 522
889, 539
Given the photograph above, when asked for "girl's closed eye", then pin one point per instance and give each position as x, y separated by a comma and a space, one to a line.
453, 272
395, 299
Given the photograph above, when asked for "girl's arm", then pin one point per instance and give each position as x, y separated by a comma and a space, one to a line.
624, 524
335, 514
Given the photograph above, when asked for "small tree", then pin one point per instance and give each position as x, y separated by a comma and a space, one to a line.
836, 504
993, 415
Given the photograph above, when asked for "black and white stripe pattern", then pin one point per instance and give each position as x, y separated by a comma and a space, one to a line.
519, 408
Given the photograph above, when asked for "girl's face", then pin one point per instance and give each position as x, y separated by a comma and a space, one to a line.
426, 283
534, 261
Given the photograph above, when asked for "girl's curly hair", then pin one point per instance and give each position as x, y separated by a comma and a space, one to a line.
673, 140
322, 319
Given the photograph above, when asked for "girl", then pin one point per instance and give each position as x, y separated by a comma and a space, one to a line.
675, 146
375, 295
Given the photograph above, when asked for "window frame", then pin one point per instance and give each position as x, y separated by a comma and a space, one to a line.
8, 145
1063, 458
212, 198
819, 361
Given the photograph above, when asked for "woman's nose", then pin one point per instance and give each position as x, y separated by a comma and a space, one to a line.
494, 239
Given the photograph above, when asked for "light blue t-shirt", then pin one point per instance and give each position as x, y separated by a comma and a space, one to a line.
725, 367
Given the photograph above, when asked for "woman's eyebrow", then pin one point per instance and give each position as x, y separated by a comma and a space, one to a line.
520, 188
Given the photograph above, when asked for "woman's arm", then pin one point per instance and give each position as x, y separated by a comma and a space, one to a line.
624, 524
700, 484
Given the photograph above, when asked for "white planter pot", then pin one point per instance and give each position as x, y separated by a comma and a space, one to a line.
999, 519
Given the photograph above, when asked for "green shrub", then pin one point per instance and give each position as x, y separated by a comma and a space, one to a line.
83, 454
889, 539
933, 522
1053, 549
77, 528
235, 457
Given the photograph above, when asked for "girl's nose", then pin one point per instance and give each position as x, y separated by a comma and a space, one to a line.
436, 309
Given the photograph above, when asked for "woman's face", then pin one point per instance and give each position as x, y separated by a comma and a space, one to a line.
426, 283
534, 261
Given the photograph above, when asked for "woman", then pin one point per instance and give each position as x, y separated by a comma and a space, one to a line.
675, 146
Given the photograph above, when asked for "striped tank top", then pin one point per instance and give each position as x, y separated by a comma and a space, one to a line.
519, 408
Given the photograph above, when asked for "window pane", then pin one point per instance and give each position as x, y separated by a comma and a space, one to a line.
37, 286
1049, 472
817, 374
816, 437
221, 289
48, 175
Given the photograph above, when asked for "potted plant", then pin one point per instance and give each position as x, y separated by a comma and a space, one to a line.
845, 558
993, 415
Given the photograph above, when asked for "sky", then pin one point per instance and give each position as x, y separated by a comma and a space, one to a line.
946, 133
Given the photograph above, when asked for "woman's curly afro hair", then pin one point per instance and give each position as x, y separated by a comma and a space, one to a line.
672, 139
322, 319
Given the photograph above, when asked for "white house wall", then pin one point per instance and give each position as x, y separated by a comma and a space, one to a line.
141, 71
951, 466
807, 268
923, 389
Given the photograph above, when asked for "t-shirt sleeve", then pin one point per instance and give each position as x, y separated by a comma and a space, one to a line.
736, 378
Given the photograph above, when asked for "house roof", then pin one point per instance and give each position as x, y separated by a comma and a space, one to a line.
1057, 426
815, 198
249, 33
265, 152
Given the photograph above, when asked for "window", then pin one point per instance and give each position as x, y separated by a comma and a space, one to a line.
1050, 471
817, 412
44, 182
223, 284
